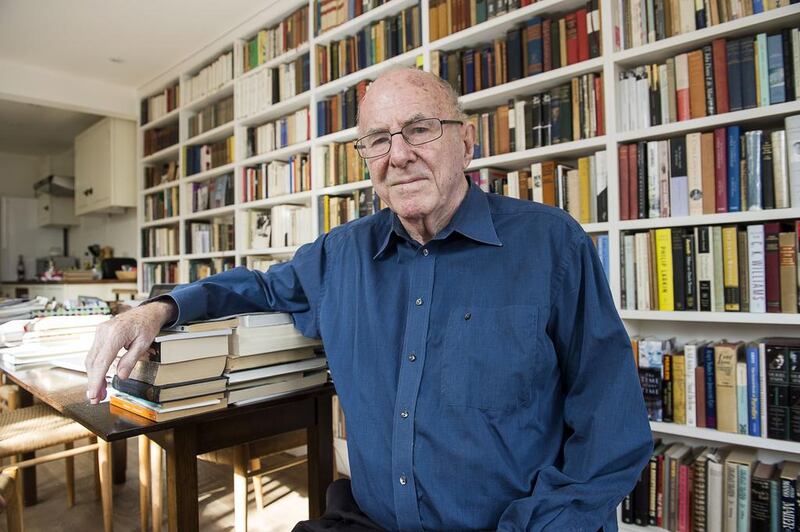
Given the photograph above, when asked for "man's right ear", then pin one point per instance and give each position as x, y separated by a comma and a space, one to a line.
469, 143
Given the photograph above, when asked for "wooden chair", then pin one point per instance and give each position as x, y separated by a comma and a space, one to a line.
246, 461
10, 501
32, 428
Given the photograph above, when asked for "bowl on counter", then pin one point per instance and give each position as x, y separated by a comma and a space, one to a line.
124, 275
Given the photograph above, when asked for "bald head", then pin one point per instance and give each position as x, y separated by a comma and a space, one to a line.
428, 86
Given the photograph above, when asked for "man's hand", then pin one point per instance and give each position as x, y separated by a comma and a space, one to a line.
134, 330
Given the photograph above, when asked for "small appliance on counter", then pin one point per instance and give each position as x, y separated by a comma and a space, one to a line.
114, 264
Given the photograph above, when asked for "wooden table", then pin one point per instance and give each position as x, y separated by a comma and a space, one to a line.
184, 439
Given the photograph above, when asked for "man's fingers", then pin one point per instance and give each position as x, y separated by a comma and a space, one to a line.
97, 362
137, 350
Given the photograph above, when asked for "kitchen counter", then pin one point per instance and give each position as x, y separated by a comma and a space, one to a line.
65, 290
101, 281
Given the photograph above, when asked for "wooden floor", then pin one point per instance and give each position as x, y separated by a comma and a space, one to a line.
285, 497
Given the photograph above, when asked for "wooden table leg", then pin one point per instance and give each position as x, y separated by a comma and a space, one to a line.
104, 458
320, 458
119, 460
29, 473
182, 510
144, 482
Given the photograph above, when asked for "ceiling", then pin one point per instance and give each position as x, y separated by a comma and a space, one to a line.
123, 42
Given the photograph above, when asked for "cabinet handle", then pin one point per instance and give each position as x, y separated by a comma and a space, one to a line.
47, 207
91, 191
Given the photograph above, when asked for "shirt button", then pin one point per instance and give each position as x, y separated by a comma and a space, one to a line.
467, 316
404, 414
403, 480
412, 357
418, 302
425, 251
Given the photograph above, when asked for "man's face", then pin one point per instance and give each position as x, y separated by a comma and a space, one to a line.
415, 181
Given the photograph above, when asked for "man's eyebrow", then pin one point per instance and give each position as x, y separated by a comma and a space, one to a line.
412, 118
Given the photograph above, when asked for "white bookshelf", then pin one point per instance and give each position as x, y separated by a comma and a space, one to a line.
683, 325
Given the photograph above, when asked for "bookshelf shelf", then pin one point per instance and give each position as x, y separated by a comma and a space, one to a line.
200, 176
344, 135
166, 119
660, 50
277, 110
212, 135
212, 97
172, 220
162, 155
164, 258
159, 188
286, 57
351, 26
297, 197
275, 155
711, 219
712, 435
771, 318
495, 96
755, 116
564, 150
209, 213
498, 26
345, 188
210, 255
596, 227
290, 250
370, 72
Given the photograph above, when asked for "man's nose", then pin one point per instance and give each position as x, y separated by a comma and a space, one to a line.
401, 152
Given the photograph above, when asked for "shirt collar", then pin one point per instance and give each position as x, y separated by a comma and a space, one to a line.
472, 220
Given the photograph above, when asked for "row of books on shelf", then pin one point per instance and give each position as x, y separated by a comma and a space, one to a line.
639, 23
572, 111
211, 116
728, 268
330, 13
207, 237
204, 157
274, 41
451, 16
726, 75
540, 45
685, 488
279, 133
211, 194
258, 91
746, 388
161, 204
724, 170
379, 41
160, 241
202, 268
160, 138
340, 163
340, 209
155, 106
209, 78
158, 273
159, 174
281, 226
263, 262
339, 111
277, 178
208, 365
580, 189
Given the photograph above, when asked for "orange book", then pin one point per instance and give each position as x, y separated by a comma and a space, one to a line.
697, 85
682, 86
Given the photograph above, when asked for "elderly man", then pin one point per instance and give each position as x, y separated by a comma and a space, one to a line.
487, 379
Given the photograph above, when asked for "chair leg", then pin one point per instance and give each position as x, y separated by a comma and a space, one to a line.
240, 488
106, 484
14, 509
144, 482
255, 464
69, 473
157, 479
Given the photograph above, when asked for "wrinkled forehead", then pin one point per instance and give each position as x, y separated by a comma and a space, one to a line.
391, 103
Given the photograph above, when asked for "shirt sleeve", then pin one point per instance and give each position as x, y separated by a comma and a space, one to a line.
293, 287
607, 438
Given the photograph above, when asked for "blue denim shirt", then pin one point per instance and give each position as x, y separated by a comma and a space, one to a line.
486, 377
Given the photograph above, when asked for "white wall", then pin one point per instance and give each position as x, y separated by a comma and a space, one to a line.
18, 173
115, 230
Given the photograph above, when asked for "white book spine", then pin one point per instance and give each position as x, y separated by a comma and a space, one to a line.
731, 495
790, 141
694, 167
758, 287
663, 177
753, 146
653, 180
630, 271
690, 361
715, 496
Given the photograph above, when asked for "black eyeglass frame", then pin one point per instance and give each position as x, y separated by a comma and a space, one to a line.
442, 122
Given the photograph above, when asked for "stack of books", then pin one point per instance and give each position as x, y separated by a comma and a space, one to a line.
268, 356
182, 376
43, 340
17, 308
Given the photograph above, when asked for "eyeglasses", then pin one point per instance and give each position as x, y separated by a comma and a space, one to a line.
415, 133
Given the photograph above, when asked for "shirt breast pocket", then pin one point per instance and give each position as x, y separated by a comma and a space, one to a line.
489, 357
